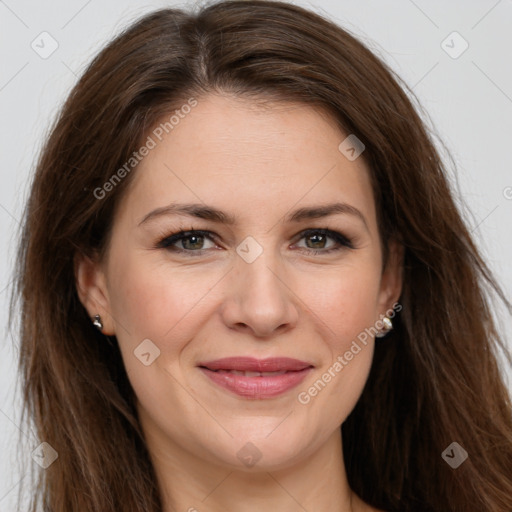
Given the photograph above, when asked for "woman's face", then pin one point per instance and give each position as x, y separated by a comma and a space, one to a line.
252, 288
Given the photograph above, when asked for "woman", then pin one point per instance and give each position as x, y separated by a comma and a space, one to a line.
244, 283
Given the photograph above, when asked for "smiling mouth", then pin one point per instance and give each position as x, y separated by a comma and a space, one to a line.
256, 379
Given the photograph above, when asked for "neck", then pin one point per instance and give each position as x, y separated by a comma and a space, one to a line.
192, 484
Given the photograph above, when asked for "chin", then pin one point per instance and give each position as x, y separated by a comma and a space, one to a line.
264, 452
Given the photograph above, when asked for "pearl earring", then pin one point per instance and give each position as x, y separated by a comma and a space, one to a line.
388, 326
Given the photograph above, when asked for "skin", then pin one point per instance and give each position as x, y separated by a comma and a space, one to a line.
257, 163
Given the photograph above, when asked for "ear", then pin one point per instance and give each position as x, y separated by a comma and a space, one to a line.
92, 290
392, 277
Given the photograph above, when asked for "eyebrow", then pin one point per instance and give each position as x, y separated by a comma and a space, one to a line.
202, 211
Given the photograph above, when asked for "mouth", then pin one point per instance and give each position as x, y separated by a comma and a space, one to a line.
256, 378
248, 373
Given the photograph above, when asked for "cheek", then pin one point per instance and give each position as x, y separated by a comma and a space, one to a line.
167, 306
344, 300
347, 307
151, 300
152, 303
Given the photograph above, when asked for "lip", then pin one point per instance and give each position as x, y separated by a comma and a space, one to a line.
256, 387
251, 364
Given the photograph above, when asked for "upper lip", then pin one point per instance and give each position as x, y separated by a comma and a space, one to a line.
251, 364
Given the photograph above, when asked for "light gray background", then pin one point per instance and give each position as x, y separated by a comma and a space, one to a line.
469, 99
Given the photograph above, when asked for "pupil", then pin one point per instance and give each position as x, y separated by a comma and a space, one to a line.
317, 236
195, 237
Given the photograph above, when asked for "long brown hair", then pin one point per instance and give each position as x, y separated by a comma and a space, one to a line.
434, 381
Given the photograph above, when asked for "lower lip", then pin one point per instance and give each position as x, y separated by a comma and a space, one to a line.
257, 387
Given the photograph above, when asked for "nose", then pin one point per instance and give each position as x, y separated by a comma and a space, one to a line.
259, 298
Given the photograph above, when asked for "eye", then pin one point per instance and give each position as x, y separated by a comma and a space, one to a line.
319, 237
193, 241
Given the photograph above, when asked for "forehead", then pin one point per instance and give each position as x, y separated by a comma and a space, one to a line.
245, 157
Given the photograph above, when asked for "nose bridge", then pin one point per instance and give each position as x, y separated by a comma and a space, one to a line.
258, 266
260, 298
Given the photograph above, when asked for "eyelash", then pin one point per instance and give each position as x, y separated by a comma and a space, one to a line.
168, 241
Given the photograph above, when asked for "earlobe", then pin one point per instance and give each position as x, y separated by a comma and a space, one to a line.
92, 291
